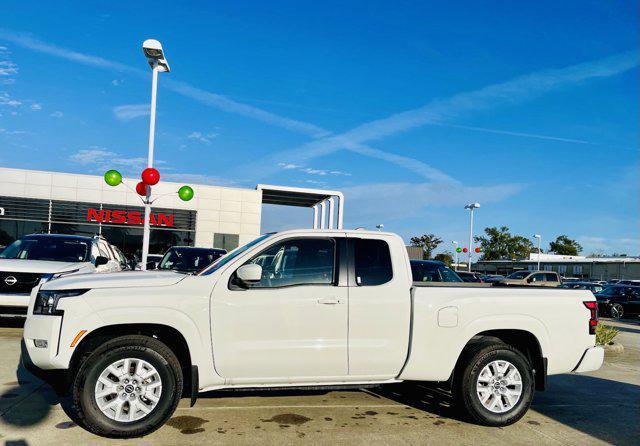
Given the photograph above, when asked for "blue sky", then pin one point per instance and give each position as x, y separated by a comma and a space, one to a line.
411, 108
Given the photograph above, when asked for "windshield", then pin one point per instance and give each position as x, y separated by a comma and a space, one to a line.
189, 260
518, 275
57, 249
433, 272
233, 254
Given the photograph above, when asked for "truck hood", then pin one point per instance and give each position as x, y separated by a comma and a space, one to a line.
124, 279
39, 266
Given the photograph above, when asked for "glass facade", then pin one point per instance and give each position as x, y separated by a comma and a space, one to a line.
118, 224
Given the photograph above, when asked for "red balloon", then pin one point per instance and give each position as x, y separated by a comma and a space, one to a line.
141, 188
464, 250
477, 250
150, 176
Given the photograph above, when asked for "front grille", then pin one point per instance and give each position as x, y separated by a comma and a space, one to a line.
15, 283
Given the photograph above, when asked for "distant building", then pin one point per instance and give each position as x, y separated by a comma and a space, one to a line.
599, 268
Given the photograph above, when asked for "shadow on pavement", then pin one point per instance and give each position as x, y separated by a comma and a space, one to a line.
12, 322
28, 402
605, 409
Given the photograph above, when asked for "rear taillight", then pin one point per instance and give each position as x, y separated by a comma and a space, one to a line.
592, 306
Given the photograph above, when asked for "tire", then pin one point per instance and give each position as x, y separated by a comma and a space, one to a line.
476, 366
152, 400
616, 311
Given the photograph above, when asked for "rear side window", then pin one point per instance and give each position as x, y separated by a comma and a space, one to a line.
372, 262
552, 278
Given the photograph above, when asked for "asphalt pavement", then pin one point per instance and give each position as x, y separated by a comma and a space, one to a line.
596, 408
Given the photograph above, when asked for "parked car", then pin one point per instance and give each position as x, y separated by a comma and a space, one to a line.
629, 282
619, 300
432, 271
532, 278
187, 259
298, 308
35, 258
467, 276
491, 278
593, 287
153, 260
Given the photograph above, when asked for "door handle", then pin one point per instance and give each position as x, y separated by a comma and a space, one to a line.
329, 301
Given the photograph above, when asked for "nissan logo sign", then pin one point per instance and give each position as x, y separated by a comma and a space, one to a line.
10, 280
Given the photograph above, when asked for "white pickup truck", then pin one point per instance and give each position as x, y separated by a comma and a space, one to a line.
299, 308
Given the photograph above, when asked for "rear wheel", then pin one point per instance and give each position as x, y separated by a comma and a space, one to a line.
617, 311
494, 384
127, 388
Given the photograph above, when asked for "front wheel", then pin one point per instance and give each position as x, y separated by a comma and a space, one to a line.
127, 388
495, 384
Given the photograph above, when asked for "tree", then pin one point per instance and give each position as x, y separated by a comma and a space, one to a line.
428, 243
565, 246
445, 257
499, 244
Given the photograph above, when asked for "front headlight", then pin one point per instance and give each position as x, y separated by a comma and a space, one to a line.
47, 301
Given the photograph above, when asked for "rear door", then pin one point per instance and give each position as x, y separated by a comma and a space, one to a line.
379, 306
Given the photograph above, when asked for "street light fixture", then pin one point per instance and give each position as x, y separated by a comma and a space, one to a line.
155, 56
539, 237
471, 207
455, 243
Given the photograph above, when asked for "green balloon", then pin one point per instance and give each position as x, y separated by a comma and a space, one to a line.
458, 249
185, 193
113, 177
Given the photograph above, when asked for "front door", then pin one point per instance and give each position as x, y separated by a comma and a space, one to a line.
292, 325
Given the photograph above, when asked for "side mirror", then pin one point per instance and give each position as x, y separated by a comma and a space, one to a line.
101, 260
152, 265
530, 279
250, 273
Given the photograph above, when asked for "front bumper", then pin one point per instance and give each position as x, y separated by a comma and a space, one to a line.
591, 360
43, 328
58, 379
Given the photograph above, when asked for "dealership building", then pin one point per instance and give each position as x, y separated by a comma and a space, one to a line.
581, 267
220, 217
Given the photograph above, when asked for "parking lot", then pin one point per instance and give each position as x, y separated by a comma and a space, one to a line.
597, 408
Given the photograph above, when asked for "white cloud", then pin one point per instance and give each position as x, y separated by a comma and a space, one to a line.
506, 93
388, 201
196, 178
8, 101
57, 114
312, 171
129, 112
204, 138
116, 82
36, 107
608, 245
8, 68
99, 159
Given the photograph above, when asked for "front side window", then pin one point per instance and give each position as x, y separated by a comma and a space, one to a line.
538, 278
304, 261
372, 261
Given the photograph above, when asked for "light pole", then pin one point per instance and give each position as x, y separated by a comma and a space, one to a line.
455, 243
471, 207
539, 237
155, 56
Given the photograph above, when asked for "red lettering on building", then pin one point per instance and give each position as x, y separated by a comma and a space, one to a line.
119, 216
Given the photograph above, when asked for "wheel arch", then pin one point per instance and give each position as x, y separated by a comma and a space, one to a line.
166, 334
522, 340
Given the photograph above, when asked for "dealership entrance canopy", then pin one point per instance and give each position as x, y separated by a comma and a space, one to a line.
317, 199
